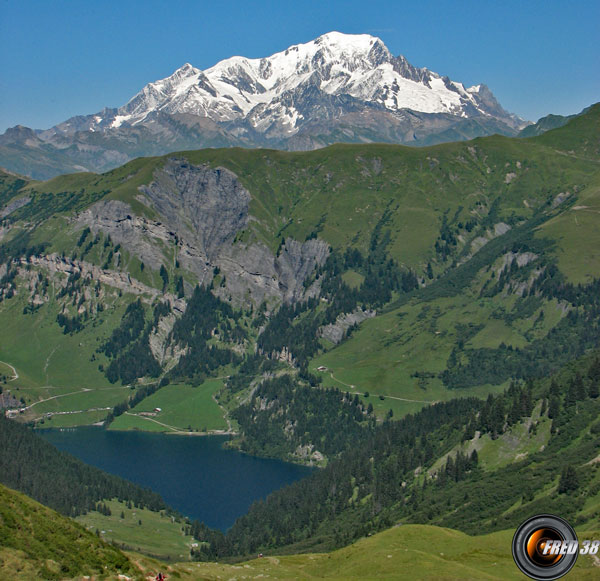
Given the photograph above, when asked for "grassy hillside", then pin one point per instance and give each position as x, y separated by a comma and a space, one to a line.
183, 408
141, 530
463, 249
344, 189
403, 552
38, 543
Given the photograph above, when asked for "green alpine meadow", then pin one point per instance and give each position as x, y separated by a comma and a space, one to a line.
421, 325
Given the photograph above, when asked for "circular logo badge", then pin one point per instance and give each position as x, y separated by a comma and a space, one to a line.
545, 547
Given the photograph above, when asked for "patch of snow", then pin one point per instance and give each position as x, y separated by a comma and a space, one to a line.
118, 120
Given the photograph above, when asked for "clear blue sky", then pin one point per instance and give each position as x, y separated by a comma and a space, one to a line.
60, 58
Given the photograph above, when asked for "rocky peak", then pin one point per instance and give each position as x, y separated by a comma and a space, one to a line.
358, 65
17, 134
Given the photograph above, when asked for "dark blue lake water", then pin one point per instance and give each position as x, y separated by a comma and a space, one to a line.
194, 475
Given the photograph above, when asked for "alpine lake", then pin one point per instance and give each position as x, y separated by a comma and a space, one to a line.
195, 475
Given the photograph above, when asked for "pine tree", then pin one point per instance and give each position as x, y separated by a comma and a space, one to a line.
568, 480
179, 288
553, 407
594, 371
474, 458
165, 276
579, 387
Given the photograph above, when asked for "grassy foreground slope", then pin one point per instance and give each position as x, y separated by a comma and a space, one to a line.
38, 543
404, 552
141, 530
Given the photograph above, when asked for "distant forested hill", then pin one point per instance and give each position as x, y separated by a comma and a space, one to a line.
59, 480
477, 466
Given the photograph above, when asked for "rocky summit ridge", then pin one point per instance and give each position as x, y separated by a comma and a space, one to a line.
336, 88
281, 93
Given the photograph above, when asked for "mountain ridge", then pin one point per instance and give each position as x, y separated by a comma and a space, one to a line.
360, 66
336, 88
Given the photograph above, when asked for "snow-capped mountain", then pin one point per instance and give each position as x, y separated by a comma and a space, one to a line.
272, 91
339, 87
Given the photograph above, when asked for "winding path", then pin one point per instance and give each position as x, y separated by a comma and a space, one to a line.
377, 394
153, 420
82, 390
15, 374
175, 430
225, 414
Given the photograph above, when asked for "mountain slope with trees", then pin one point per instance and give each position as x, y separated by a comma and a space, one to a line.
363, 261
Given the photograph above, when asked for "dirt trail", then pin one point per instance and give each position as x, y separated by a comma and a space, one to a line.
377, 394
15, 374
82, 390
225, 414
175, 430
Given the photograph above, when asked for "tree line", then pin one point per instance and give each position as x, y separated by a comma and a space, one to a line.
387, 476
59, 480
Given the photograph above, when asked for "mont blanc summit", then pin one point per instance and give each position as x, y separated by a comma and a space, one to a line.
336, 88
295, 87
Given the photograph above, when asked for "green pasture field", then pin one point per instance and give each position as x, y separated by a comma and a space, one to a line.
6, 370
43, 355
83, 400
182, 407
515, 444
127, 421
353, 279
577, 232
383, 355
401, 352
159, 534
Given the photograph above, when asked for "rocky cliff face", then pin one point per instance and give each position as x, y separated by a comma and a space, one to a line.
201, 210
208, 206
335, 332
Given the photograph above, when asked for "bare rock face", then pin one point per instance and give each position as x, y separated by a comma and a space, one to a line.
54, 263
166, 354
200, 210
14, 205
335, 331
253, 269
143, 237
211, 204
295, 262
